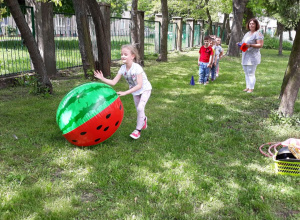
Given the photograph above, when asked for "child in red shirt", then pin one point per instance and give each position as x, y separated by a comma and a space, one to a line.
205, 61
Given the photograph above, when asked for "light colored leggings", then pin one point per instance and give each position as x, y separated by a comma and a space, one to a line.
140, 102
250, 75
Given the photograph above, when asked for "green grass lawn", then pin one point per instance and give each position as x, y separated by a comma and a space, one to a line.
198, 159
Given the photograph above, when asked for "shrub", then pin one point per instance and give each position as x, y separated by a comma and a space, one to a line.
273, 43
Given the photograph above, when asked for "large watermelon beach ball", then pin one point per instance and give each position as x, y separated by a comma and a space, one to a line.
89, 114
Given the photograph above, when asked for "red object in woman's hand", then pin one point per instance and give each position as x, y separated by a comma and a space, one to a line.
244, 47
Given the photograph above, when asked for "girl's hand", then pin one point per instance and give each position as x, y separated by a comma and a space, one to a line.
98, 74
121, 93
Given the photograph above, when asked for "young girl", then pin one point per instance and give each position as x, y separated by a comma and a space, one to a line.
219, 54
139, 86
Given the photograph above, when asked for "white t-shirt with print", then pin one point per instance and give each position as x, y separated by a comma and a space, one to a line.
131, 77
218, 51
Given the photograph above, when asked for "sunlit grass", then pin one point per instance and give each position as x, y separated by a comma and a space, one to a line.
198, 159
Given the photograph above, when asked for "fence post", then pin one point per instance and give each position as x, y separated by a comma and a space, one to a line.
191, 22
201, 23
178, 21
141, 34
158, 21
105, 9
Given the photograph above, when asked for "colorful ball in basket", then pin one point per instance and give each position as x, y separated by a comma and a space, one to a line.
89, 114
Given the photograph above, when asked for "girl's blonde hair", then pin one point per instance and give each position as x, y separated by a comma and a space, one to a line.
133, 51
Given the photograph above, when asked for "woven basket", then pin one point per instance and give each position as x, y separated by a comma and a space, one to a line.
287, 168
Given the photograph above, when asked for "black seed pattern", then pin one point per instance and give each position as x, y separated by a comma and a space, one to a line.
97, 140
107, 116
105, 129
74, 140
99, 127
83, 133
117, 123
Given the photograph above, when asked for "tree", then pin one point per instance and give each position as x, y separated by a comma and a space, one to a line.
285, 21
248, 14
45, 34
104, 54
134, 27
291, 81
43, 81
226, 26
209, 20
163, 56
236, 30
290, 11
85, 43
280, 28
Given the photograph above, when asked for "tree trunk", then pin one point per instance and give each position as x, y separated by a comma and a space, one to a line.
236, 30
291, 81
249, 15
134, 26
104, 59
84, 37
44, 84
164, 35
209, 21
290, 35
228, 31
43, 15
279, 31
141, 35
48, 42
209, 31
226, 16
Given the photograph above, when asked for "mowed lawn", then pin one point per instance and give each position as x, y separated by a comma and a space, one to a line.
198, 159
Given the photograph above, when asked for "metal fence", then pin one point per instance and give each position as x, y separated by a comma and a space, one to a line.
14, 56
120, 35
197, 34
172, 36
15, 59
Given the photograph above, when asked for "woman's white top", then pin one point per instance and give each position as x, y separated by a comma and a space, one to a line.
252, 56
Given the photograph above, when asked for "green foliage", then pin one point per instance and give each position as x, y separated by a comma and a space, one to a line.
273, 43
278, 118
186, 8
30, 81
257, 7
12, 31
117, 6
2, 9
287, 12
66, 6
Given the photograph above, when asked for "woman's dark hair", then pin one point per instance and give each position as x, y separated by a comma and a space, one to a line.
255, 21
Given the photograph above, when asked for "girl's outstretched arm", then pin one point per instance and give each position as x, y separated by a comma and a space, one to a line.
99, 75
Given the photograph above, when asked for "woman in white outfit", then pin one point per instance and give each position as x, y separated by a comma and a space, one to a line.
251, 57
